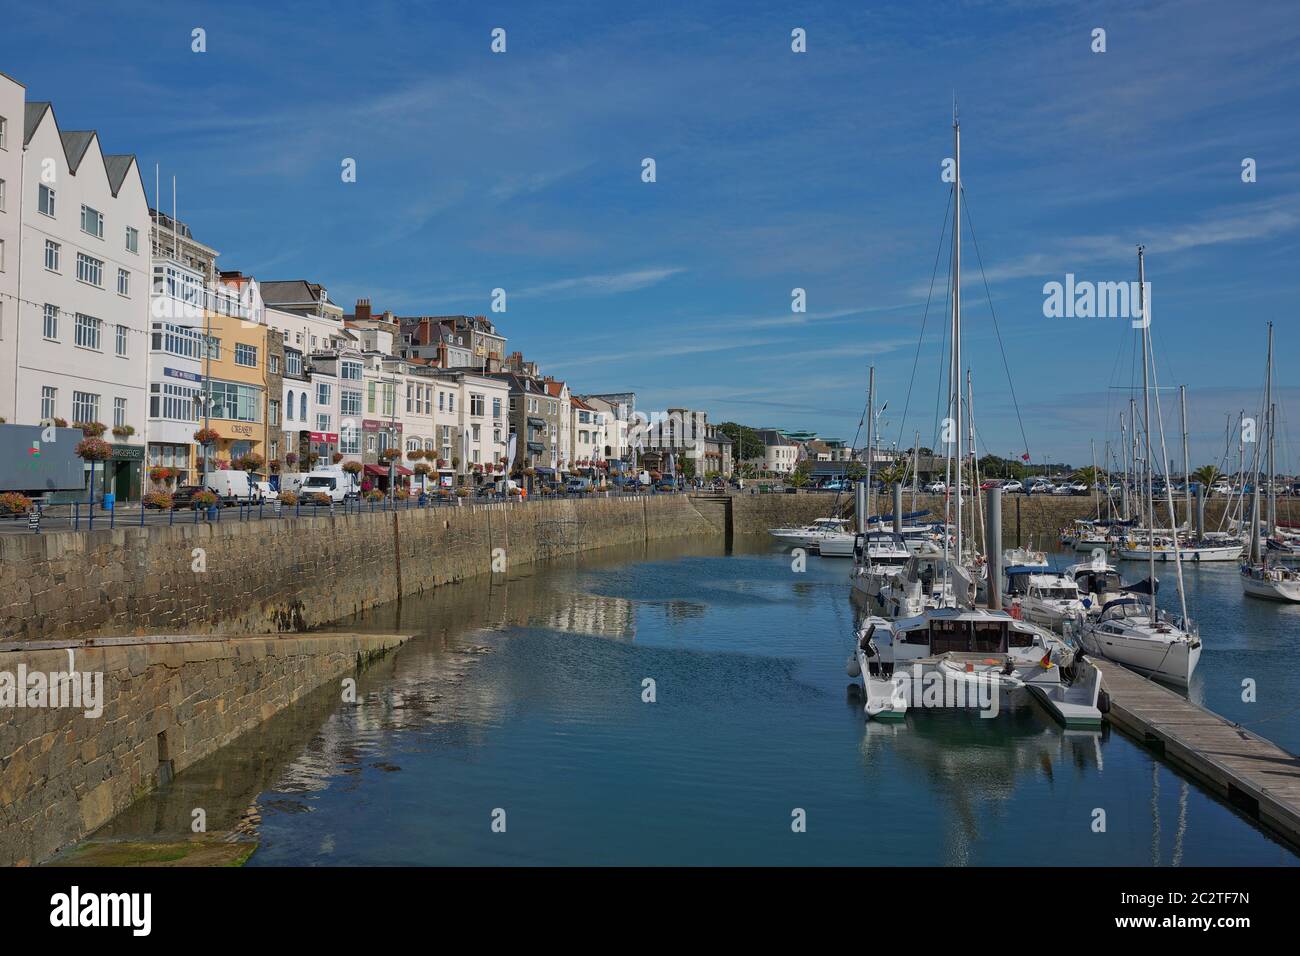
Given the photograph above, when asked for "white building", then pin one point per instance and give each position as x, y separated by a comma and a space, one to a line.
12, 107
588, 431
77, 342
614, 425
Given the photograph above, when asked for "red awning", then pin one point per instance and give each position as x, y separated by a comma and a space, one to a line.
376, 470
403, 470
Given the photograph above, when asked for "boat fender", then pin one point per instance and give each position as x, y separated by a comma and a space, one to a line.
852, 667
1103, 701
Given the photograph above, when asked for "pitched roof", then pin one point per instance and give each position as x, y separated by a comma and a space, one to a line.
75, 143
32, 118
117, 166
290, 292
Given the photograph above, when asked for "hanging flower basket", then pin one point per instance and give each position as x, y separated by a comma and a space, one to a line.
390, 454
123, 431
94, 449
90, 429
207, 436
275, 467
352, 467
415, 454
291, 458
336, 457
160, 473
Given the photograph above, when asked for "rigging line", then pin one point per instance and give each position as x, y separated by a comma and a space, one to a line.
924, 315
970, 224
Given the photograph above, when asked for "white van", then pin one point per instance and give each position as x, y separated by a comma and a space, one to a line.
338, 484
230, 486
292, 481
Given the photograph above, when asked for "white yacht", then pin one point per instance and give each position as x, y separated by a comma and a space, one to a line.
1151, 643
1209, 548
811, 536
877, 557
1271, 581
1098, 582
926, 581
1048, 598
971, 658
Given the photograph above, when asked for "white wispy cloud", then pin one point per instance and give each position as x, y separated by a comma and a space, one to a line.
594, 285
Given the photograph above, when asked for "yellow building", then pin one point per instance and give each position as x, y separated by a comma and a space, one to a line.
235, 368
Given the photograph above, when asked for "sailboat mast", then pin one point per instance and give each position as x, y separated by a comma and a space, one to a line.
1136, 502
871, 421
1272, 422
955, 377
1146, 431
1187, 478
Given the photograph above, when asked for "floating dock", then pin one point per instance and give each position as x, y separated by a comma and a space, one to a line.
1254, 775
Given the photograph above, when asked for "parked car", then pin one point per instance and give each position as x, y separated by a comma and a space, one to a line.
835, 484
936, 487
990, 484
182, 497
576, 484
1079, 487
1221, 488
1040, 487
1012, 487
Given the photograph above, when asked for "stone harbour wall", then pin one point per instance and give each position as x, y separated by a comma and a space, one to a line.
291, 574
166, 703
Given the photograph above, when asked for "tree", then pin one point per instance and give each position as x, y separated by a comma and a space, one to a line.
746, 443
1206, 475
799, 478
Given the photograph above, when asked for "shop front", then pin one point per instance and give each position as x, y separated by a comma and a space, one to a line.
121, 475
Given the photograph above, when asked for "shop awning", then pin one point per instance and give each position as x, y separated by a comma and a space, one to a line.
403, 470
537, 422
378, 470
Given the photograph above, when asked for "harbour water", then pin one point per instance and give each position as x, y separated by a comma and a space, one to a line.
525, 694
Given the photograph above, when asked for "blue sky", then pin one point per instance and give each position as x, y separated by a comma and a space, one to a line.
775, 170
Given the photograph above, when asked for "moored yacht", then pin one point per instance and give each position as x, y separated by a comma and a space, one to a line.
1150, 642
877, 557
811, 536
1271, 581
1048, 598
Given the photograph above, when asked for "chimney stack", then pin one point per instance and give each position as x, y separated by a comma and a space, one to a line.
362, 310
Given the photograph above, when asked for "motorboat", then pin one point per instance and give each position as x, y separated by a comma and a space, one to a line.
1099, 582
811, 535
1150, 642
1048, 598
927, 581
877, 557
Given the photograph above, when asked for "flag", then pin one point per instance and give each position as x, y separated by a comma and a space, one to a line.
1025, 457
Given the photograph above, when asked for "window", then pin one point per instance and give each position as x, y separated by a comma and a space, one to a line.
175, 340
370, 397
90, 269
350, 372
302, 407
475, 431
293, 363
48, 395
410, 395
246, 355
178, 403
451, 401
370, 444
50, 326
85, 407
123, 282
441, 403
45, 200
121, 341
2, 255
496, 435
273, 412
4, 133
119, 412
292, 404
390, 399
52, 255
273, 364
349, 402
275, 450
132, 239
323, 395
2, 195
349, 441
87, 334
92, 222
496, 407
476, 405
235, 402
513, 404
323, 422
214, 348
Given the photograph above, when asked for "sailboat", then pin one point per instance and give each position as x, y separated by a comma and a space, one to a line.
1147, 639
938, 636
1260, 577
